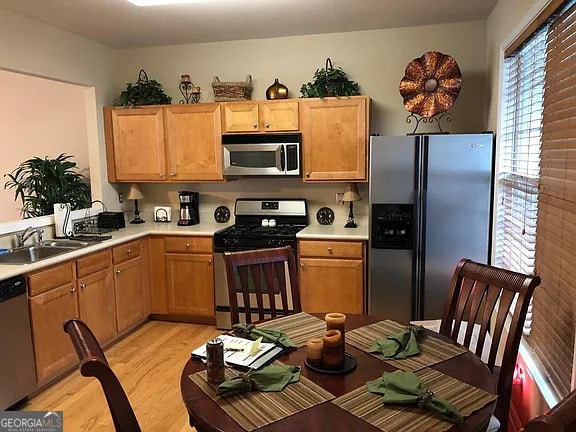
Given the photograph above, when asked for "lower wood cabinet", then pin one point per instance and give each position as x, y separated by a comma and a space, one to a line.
331, 276
130, 300
182, 277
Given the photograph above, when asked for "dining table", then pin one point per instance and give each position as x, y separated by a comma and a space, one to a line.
339, 402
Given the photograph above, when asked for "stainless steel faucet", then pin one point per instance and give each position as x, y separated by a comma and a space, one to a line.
22, 236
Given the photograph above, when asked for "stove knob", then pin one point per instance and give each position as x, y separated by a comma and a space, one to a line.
275, 243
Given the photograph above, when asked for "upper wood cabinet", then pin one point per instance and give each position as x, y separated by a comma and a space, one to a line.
335, 138
255, 117
169, 143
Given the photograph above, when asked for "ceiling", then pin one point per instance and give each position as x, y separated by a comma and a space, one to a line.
120, 24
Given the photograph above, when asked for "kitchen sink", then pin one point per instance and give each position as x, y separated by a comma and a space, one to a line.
37, 252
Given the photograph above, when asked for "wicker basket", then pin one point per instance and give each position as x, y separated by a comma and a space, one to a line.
232, 91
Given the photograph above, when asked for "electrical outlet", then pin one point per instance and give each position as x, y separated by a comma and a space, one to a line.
339, 196
121, 197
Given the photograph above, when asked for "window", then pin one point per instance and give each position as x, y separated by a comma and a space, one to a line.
520, 137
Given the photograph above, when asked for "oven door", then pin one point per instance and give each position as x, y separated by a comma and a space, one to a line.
254, 159
223, 303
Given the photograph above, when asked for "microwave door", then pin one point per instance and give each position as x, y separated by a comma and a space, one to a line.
253, 159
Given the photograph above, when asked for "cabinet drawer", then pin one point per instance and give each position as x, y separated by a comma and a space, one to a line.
126, 251
53, 277
189, 244
334, 249
93, 263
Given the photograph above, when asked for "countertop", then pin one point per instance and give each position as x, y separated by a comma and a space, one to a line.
132, 232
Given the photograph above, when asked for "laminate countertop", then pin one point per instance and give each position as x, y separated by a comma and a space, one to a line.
133, 232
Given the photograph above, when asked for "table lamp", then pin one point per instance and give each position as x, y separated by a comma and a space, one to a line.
350, 196
135, 194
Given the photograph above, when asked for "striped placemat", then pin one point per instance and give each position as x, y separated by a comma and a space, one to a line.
432, 350
299, 327
257, 409
369, 407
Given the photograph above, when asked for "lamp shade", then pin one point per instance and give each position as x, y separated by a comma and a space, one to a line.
351, 193
134, 193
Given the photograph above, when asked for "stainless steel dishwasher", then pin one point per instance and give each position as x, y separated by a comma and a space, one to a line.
17, 371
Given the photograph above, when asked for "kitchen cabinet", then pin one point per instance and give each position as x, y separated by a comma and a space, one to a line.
182, 277
53, 300
130, 301
335, 138
256, 117
168, 143
331, 276
96, 299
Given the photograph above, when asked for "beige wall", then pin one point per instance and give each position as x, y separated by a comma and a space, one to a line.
375, 59
61, 127
37, 49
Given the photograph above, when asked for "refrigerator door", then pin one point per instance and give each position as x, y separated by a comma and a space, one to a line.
390, 257
456, 211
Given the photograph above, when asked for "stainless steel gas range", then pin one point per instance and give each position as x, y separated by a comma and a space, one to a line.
260, 224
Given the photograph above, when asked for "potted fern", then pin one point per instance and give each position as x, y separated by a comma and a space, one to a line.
330, 81
41, 183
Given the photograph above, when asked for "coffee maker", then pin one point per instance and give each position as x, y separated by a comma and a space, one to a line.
189, 214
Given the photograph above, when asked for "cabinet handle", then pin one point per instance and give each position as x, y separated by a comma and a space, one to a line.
83, 286
187, 245
301, 264
73, 289
172, 174
329, 248
308, 174
162, 174
129, 251
255, 125
210, 261
117, 271
267, 125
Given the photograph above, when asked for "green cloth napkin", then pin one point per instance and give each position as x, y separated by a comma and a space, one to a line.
400, 345
272, 378
269, 335
404, 388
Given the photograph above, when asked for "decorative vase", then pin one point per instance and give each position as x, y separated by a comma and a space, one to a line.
277, 91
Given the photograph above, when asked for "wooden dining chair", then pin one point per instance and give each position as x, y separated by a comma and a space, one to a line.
261, 274
480, 297
93, 363
561, 418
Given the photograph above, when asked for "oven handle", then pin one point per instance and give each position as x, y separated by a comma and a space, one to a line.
282, 158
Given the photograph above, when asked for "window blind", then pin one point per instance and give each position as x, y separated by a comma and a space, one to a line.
519, 157
553, 319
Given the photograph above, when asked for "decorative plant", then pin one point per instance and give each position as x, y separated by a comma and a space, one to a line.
329, 82
143, 92
41, 183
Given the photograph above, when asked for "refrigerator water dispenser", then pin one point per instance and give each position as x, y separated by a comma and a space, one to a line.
392, 226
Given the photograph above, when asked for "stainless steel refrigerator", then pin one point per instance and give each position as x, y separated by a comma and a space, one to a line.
430, 206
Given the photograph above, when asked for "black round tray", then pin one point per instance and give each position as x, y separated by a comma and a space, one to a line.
349, 366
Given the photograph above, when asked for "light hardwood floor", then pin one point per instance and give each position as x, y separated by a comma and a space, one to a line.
148, 363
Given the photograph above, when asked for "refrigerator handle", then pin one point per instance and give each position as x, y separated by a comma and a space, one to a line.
420, 163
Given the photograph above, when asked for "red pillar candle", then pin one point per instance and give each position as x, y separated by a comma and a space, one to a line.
332, 357
337, 321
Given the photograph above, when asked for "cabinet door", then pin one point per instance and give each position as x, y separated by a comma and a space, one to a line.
190, 280
135, 144
96, 303
334, 138
332, 285
128, 292
278, 116
240, 117
53, 350
194, 142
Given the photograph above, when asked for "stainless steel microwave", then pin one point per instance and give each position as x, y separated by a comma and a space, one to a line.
265, 155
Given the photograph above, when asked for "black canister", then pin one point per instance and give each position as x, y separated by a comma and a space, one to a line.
215, 361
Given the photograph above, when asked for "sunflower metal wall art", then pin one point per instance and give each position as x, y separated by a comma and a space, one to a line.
430, 86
